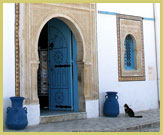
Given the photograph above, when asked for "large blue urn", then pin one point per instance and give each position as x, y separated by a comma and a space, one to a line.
111, 105
16, 115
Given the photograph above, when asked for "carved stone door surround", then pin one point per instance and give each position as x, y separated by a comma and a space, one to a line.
81, 20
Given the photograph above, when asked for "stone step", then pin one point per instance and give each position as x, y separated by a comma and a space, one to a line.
63, 117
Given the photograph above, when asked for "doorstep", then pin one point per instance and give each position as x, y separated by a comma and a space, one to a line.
60, 117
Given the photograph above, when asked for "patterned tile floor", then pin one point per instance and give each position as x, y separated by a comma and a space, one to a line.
149, 123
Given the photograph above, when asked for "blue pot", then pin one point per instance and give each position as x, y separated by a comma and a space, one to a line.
16, 115
111, 105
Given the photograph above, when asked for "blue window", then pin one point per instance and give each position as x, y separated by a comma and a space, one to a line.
129, 56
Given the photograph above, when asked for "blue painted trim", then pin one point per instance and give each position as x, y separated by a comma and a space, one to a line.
149, 19
114, 13
108, 13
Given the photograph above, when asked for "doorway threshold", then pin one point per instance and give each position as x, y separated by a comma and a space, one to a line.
47, 116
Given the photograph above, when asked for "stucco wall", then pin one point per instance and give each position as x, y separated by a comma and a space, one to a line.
9, 64
157, 30
92, 108
8, 55
139, 95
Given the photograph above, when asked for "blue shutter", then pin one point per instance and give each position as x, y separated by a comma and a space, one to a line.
129, 56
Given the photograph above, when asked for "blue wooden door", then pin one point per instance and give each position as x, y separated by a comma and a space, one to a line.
60, 66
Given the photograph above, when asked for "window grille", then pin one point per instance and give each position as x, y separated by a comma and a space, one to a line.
129, 56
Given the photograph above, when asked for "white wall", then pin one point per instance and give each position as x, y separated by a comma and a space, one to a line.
9, 65
8, 55
33, 114
92, 108
137, 9
139, 95
157, 29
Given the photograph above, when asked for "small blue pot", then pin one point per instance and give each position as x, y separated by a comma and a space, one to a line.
111, 105
16, 115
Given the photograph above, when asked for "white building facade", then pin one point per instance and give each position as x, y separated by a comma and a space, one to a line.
100, 58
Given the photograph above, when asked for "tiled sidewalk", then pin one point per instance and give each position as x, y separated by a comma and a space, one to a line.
150, 120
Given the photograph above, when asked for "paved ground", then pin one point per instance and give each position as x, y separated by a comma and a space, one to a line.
149, 123
156, 129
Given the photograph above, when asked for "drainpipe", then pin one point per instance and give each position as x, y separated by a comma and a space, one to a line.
157, 73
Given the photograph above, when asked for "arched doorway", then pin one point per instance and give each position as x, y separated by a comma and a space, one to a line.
33, 18
57, 74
